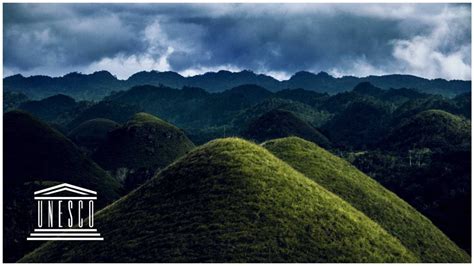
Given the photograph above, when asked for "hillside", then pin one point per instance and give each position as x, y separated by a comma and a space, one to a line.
415, 231
230, 201
34, 152
301, 110
115, 111
460, 105
278, 124
11, 100
145, 144
57, 109
433, 129
360, 125
92, 133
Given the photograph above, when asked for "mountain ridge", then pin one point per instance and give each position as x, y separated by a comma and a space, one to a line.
101, 83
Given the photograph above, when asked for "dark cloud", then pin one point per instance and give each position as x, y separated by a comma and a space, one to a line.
431, 40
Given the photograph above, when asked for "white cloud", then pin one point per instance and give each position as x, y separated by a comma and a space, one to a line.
358, 68
428, 40
201, 70
436, 55
124, 67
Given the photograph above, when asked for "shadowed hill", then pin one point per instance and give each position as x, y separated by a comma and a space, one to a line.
415, 231
34, 151
11, 100
433, 129
360, 125
35, 155
278, 124
301, 110
58, 109
230, 201
140, 147
92, 133
115, 111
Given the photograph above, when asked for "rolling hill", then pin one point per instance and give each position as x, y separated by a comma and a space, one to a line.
301, 110
36, 155
230, 201
415, 232
92, 133
433, 129
142, 146
57, 109
115, 111
278, 124
360, 125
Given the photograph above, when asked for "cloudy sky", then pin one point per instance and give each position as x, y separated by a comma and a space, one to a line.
428, 40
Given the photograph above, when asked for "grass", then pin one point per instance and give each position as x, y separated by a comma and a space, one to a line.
431, 129
95, 128
230, 201
280, 123
396, 216
143, 142
92, 133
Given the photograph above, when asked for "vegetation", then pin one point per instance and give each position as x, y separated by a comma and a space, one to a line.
437, 183
432, 129
414, 231
90, 134
58, 109
230, 201
11, 100
393, 128
302, 111
278, 123
145, 144
118, 112
360, 125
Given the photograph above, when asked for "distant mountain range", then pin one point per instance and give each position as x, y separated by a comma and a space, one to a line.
102, 83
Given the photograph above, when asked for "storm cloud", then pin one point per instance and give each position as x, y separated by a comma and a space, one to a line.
428, 40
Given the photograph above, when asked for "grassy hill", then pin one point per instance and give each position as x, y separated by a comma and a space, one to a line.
92, 133
415, 231
280, 123
430, 129
115, 111
230, 201
140, 147
34, 153
301, 110
360, 125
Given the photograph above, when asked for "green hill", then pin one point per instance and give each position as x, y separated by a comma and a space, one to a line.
142, 146
230, 201
34, 156
278, 124
360, 125
92, 133
301, 110
115, 111
431, 129
415, 231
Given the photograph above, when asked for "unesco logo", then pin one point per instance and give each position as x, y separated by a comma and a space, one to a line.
62, 213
